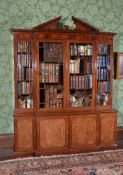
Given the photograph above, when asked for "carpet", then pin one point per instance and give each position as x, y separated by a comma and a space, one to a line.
97, 163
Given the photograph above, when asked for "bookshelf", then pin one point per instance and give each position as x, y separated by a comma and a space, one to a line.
24, 74
51, 74
103, 75
80, 75
63, 89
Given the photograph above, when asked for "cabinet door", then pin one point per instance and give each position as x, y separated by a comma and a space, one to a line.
24, 74
23, 134
83, 131
51, 133
51, 71
104, 75
107, 128
81, 93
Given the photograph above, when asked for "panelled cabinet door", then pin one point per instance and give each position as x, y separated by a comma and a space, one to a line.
51, 133
23, 134
83, 131
107, 128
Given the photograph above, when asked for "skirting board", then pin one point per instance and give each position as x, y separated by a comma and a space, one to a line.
120, 132
7, 140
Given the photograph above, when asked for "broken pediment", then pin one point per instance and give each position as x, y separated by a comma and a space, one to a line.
55, 24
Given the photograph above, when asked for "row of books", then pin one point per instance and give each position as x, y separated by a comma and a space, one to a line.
80, 49
24, 73
54, 97
24, 60
54, 103
49, 73
103, 61
103, 86
25, 87
75, 66
80, 66
26, 102
24, 46
103, 74
81, 81
104, 49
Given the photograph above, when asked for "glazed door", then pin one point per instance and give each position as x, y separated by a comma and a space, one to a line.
104, 75
51, 79
81, 75
24, 74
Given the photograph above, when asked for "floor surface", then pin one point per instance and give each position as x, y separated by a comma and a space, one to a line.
7, 153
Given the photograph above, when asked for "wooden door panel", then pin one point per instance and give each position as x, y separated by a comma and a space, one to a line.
23, 134
107, 128
83, 131
51, 133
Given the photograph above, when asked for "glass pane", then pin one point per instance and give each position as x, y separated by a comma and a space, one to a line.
103, 75
25, 74
51, 74
80, 75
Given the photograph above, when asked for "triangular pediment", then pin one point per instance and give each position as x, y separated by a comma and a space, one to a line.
82, 26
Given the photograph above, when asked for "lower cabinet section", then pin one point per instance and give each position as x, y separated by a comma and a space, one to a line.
83, 131
52, 133
108, 128
70, 133
23, 134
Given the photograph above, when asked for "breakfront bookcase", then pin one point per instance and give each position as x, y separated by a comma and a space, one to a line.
63, 89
